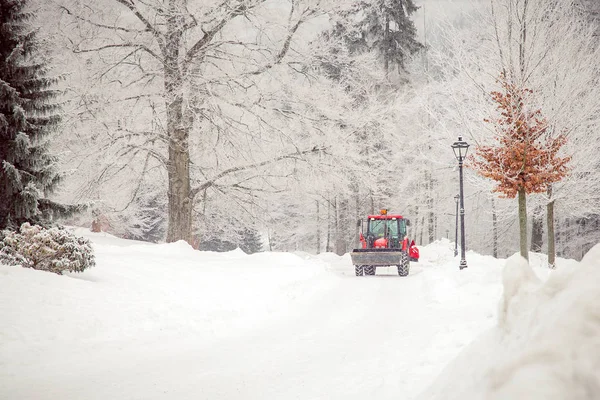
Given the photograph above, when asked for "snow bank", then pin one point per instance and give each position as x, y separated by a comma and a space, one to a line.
140, 289
168, 322
546, 344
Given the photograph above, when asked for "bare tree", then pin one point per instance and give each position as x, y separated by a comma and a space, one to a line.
171, 56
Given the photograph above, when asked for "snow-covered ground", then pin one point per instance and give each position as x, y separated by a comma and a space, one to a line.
167, 322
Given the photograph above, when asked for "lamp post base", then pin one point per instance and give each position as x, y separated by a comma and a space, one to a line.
463, 264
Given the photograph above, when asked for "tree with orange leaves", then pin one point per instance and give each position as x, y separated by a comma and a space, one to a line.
526, 158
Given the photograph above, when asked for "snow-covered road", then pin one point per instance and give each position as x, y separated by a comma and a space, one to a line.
166, 322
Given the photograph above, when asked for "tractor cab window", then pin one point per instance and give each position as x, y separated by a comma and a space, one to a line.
392, 228
402, 228
377, 227
384, 228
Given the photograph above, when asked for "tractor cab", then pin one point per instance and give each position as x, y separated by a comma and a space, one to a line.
387, 231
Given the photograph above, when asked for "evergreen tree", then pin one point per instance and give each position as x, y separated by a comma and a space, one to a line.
247, 239
28, 114
251, 241
381, 25
217, 244
150, 220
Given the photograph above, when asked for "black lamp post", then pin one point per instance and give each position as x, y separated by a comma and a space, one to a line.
460, 149
456, 227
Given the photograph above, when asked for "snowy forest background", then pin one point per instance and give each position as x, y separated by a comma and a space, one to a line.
301, 120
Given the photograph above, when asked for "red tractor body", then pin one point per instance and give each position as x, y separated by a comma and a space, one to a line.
384, 242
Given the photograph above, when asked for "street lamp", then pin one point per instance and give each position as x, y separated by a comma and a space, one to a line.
460, 149
456, 227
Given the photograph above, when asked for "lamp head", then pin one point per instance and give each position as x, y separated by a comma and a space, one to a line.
460, 148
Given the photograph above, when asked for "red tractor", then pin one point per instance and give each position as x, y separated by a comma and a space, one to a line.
384, 243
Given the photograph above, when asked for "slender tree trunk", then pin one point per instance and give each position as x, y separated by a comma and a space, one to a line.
422, 229
495, 229
370, 194
416, 223
523, 39
430, 215
328, 243
558, 234
581, 239
523, 223
567, 239
386, 53
318, 229
357, 219
342, 229
336, 224
431, 225
550, 224
270, 239
179, 193
537, 230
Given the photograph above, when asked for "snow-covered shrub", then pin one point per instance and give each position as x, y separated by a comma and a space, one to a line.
54, 249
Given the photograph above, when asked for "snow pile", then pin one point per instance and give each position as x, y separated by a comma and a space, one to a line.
168, 322
546, 344
146, 290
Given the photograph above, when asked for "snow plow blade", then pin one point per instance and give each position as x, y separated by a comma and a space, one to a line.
377, 258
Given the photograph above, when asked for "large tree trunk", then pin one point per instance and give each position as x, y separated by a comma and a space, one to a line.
179, 194
180, 201
523, 223
537, 230
550, 224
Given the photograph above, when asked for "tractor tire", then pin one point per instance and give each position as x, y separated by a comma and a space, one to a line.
358, 270
404, 267
370, 270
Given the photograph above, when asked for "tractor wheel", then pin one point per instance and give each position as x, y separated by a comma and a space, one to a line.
404, 266
370, 270
358, 270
